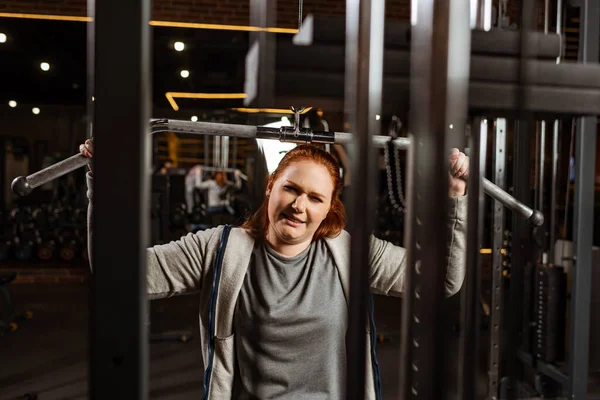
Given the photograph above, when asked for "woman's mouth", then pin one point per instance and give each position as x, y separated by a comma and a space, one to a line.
290, 220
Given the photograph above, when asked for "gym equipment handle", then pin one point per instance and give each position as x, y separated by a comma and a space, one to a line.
24, 185
535, 217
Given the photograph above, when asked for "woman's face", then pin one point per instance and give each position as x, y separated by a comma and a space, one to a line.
299, 201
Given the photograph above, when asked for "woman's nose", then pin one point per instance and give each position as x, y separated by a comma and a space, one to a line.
299, 204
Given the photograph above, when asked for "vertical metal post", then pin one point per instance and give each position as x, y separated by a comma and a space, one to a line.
206, 150
91, 48
555, 138
364, 81
263, 13
585, 153
546, 15
521, 251
119, 339
481, 14
497, 258
471, 291
555, 133
542, 159
439, 89
217, 151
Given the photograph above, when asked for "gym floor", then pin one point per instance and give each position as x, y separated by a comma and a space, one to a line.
49, 356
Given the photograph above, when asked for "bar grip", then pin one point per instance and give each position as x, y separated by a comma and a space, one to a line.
535, 217
23, 186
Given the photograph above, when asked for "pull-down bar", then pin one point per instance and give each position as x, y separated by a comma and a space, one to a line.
23, 186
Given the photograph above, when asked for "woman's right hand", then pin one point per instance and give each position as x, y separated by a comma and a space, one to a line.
87, 149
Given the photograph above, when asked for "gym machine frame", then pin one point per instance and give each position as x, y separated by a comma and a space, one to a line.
119, 348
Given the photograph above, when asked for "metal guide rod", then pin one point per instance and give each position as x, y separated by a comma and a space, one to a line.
583, 210
365, 21
555, 139
497, 239
23, 186
438, 100
471, 291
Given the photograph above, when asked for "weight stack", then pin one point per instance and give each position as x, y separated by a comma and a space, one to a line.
529, 304
550, 313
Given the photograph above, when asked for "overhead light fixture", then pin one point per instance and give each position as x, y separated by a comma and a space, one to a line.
45, 66
185, 73
2, 38
168, 24
194, 118
12, 103
268, 110
35, 110
179, 46
377, 117
171, 96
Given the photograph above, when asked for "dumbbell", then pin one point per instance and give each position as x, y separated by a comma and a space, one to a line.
22, 250
67, 244
39, 218
46, 248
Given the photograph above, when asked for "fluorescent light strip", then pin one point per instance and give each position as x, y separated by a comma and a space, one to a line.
171, 96
46, 17
269, 110
169, 24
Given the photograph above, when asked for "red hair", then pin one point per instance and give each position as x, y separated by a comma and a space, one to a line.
334, 222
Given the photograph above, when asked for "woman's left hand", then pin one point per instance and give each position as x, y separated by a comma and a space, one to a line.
459, 171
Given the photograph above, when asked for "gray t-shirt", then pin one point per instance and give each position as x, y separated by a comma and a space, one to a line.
290, 325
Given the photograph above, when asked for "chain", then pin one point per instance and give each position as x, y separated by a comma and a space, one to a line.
398, 202
299, 14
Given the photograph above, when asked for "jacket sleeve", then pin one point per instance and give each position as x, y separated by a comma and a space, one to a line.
173, 268
388, 262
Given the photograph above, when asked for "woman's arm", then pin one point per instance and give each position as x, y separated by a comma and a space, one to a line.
388, 262
173, 268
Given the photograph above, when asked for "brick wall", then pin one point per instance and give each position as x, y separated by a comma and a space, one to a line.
234, 12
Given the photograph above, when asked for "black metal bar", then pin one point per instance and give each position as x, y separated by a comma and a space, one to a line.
496, 308
119, 340
260, 65
91, 49
521, 251
585, 153
438, 74
544, 368
471, 291
364, 75
542, 161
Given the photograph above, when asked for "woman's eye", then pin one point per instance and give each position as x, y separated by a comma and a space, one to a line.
317, 199
291, 188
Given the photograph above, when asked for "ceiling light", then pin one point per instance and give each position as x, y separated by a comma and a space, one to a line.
185, 73
377, 117
194, 118
2, 38
45, 66
179, 46
35, 110
12, 103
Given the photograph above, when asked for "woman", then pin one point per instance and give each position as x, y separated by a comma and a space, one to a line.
273, 294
